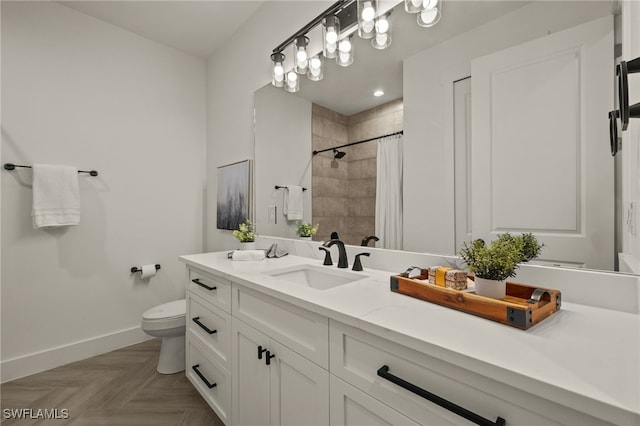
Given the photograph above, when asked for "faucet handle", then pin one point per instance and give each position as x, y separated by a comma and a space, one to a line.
327, 256
357, 264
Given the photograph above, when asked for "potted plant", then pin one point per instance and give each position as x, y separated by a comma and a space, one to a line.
246, 234
306, 230
493, 264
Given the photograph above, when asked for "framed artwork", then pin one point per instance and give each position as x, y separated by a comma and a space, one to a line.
234, 194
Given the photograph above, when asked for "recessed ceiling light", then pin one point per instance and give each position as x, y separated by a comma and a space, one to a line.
378, 93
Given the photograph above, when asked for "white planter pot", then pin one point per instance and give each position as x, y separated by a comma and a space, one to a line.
490, 288
248, 246
305, 238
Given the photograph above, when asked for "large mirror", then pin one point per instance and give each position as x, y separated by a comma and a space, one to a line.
499, 105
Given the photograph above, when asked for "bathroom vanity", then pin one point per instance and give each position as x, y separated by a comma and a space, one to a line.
289, 341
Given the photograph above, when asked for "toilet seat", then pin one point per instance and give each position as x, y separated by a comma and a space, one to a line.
166, 316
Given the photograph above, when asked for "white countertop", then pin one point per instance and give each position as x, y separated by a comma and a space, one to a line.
582, 357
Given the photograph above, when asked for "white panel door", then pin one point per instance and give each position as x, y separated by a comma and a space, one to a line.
299, 389
250, 376
540, 155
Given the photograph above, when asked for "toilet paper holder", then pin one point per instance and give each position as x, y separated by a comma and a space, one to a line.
135, 269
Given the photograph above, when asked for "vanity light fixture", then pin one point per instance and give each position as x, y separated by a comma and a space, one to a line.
369, 18
302, 58
330, 36
366, 18
292, 82
382, 39
345, 52
278, 69
315, 68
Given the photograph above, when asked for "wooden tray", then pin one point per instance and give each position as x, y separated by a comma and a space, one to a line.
523, 307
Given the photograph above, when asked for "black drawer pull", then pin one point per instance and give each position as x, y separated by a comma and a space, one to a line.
204, 379
463, 412
268, 357
204, 327
197, 281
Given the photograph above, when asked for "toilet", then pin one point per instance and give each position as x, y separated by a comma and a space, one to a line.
169, 322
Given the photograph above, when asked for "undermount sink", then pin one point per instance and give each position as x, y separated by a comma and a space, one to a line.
318, 277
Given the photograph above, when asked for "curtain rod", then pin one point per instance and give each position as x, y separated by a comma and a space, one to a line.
356, 143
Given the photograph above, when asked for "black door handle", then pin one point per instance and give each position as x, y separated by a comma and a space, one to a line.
204, 379
268, 357
204, 327
197, 281
260, 351
454, 408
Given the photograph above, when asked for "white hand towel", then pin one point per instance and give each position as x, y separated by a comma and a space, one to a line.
56, 196
293, 203
247, 255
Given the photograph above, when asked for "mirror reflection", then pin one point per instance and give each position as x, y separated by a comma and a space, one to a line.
499, 106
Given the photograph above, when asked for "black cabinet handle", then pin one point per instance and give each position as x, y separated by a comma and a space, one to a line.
204, 327
268, 357
197, 281
463, 412
204, 379
260, 351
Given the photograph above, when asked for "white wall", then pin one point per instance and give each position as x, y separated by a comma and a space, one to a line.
234, 73
428, 153
281, 123
81, 92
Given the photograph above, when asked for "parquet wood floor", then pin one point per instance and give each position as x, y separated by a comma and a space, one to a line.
119, 388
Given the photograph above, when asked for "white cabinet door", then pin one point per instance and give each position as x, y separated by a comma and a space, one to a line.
352, 407
540, 152
288, 390
250, 377
299, 389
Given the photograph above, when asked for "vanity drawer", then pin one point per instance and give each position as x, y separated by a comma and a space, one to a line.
211, 380
300, 330
357, 356
215, 290
211, 326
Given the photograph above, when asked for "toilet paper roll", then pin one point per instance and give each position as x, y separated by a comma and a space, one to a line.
148, 271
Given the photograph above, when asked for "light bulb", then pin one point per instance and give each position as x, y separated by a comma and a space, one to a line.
378, 93
381, 39
315, 71
429, 4
301, 56
368, 26
331, 47
344, 46
331, 37
429, 17
382, 25
315, 63
292, 76
278, 70
344, 57
417, 3
368, 12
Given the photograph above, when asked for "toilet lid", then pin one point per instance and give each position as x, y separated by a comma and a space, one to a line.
177, 308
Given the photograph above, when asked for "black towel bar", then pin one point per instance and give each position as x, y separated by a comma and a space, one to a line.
11, 166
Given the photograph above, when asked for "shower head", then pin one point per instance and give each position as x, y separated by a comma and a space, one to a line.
338, 154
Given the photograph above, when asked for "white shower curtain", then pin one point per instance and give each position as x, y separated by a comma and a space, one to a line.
389, 193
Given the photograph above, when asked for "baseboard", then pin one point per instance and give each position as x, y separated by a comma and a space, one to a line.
37, 362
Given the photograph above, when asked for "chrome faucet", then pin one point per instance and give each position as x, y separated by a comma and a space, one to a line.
342, 259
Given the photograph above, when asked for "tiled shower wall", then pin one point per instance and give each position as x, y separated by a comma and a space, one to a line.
344, 198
